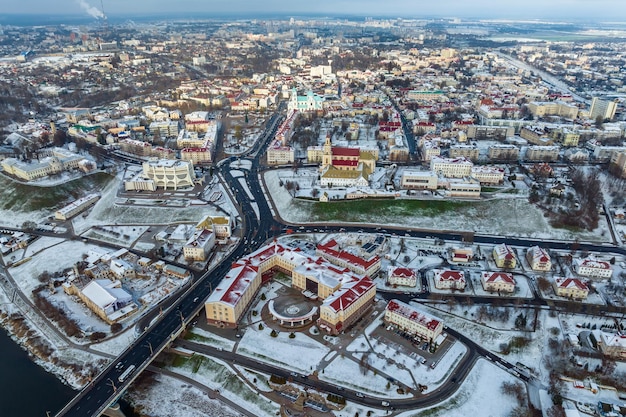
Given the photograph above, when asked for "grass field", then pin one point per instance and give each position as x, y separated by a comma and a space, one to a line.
364, 210
15, 196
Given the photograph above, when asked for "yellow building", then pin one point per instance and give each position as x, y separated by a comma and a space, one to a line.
570, 288
413, 321
504, 256
346, 295
498, 282
538, 259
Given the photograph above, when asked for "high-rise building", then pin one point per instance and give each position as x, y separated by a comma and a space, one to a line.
604, 108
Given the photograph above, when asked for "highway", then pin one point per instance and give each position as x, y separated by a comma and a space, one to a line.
107, 388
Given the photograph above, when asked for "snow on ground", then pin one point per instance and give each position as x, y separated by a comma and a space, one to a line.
107, 212
168, 396
40, 244
208, 338
120, 235
53, 259
485, 216
346, 372
218, 375
117, 344
301, 354
479, 395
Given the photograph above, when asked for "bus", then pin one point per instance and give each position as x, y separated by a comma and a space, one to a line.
127, 372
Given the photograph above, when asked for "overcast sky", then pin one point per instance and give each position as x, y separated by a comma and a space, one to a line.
612, 10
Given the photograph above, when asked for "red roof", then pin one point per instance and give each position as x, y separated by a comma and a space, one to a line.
345, 162
348, 296
407, 311
339, 151
403, 272
346, 256
499, 276
449, 275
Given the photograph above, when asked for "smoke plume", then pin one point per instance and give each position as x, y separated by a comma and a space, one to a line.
90, 10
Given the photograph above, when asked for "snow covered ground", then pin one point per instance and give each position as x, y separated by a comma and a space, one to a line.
522, 219
168, 396
479, 395
301, 354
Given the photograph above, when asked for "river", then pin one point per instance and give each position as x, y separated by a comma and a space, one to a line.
26, 389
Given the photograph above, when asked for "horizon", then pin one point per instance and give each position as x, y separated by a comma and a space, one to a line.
533, 10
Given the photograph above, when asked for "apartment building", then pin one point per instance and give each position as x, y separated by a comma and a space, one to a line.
451, 167
503, 152
470, 152
603, 108
553, 108
542, 153
413, 321
618, 164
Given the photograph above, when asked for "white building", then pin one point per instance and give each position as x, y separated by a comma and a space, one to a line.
199, 245
76, 207
418, 180
449, 279
451, 167
538, 259
401, 276
169, 174
593, 268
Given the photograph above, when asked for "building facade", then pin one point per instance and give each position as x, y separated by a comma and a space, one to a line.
498, 282
411, 320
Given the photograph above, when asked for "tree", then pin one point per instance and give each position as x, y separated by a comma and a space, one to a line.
543, 284
520, 321
59, 138
599, 121
116, 327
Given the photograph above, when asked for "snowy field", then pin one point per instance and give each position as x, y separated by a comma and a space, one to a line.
107, 212
168, 396
479, 395
53, 259
522, 219
301, 354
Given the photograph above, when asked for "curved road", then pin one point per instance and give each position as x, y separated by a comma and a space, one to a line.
109, 385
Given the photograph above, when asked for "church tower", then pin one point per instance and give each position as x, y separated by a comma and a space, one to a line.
327, 156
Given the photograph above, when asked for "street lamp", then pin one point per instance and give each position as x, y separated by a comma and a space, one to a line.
112, 384
150, 347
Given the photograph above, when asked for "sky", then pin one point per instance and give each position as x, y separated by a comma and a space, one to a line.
609, 10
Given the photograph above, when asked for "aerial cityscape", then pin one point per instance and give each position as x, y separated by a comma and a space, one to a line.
294, 209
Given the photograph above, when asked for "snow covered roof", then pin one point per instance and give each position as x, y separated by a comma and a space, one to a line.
349, 293
103, 292
411, 313
562, 282
494, 277
449, 275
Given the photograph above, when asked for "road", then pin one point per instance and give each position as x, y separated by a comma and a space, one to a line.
256, 229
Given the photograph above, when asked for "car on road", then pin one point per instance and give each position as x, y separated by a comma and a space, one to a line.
385, 403
360, 395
